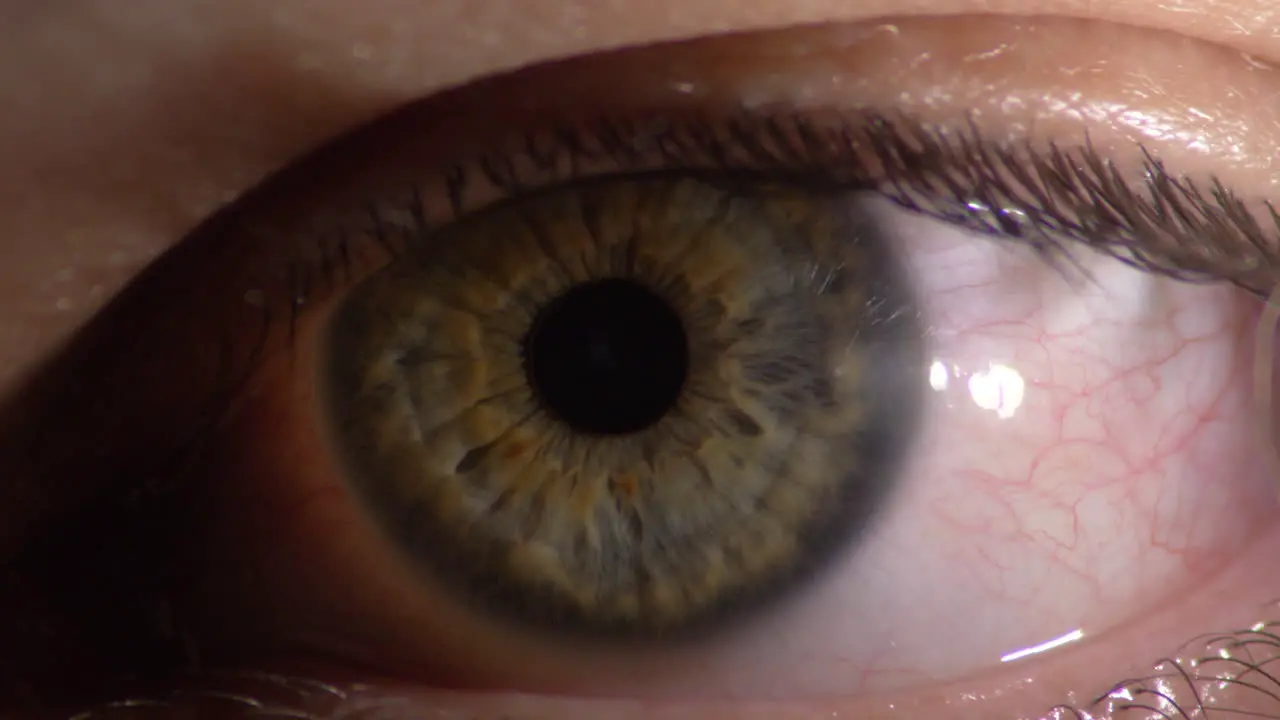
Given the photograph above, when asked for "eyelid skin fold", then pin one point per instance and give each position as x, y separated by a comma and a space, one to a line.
286, 256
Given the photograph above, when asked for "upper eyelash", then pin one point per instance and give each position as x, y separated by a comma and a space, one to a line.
1050, 199
1169, 225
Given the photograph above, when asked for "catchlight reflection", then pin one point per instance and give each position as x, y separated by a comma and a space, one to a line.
999, 388
1073, 636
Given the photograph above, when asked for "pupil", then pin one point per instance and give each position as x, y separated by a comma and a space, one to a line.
607, 357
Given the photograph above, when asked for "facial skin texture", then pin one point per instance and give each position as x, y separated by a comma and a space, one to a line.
125, 124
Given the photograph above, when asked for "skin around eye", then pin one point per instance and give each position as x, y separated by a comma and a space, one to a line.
1244, 182
285, 580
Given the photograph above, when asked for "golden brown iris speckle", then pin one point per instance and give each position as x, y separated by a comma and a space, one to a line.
650, 532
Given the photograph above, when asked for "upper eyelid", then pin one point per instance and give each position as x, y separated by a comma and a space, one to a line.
412, 128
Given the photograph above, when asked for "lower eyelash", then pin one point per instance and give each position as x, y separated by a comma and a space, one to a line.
1178, 686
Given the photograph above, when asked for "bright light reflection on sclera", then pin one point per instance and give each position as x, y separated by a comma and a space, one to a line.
1073, 636
999, 389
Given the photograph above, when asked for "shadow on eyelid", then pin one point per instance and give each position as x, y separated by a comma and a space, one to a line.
91, 447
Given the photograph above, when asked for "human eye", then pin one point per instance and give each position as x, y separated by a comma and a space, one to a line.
1005, 275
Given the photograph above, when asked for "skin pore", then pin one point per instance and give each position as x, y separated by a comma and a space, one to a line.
125, 126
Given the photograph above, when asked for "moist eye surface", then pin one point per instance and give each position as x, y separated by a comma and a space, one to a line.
630, 407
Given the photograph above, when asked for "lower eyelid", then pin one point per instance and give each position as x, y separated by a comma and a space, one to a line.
1205, 672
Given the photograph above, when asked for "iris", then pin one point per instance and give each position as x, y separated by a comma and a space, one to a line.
637, 406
